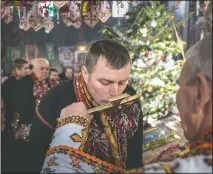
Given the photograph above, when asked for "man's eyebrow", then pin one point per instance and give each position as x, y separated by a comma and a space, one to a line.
103, 79
125, 79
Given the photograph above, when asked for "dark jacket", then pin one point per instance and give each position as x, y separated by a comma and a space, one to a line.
18, 97
49, 110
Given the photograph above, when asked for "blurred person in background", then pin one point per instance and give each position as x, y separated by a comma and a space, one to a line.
53, 77
19, 103
67, 74
40, 76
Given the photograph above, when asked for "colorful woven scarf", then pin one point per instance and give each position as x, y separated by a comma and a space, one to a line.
39, 89
110, 143
202, 144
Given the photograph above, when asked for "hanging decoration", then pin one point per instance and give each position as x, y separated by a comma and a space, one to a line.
104, 11
35, 18
60, 4
40, 14
48, 25
6, 12
71, 15
24, 18
91, 18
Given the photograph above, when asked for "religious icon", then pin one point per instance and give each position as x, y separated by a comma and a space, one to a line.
80, 57
50, 51
66, 55
14, 53
31, 52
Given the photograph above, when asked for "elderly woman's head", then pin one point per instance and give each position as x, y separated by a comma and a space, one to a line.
194, 97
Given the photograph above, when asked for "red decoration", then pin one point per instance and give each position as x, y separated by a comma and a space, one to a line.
147, 54
166, 107
162, 57
155, 62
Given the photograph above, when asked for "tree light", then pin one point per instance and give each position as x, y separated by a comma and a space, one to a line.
82, 48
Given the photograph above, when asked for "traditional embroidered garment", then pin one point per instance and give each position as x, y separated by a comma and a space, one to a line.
198, 159
39, 89
176, 151
63, 95
63, 156
110, 142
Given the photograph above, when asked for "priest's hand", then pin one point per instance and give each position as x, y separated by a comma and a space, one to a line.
77, 108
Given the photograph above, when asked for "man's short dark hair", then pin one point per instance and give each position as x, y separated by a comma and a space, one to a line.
70, 68
53, 70
115, 54
19, 63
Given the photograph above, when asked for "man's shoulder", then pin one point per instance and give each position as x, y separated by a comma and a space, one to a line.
9, 81
28, 77
61, 92
63, 87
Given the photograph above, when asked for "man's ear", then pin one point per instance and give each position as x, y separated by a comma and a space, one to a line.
202, 97
85, 73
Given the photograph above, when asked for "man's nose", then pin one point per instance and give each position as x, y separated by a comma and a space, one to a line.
114, 89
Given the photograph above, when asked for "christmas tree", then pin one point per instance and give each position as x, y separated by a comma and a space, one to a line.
154, 46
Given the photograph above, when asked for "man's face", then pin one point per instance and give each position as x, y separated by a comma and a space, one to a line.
41, 69
68, 73
190, 103
104, 82
53, 75
23, 71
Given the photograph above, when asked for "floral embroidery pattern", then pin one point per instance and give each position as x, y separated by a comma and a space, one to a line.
48, 170
52, 162
201, 146
82, 121
39, 89
84, 157
75, 162
76, 138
